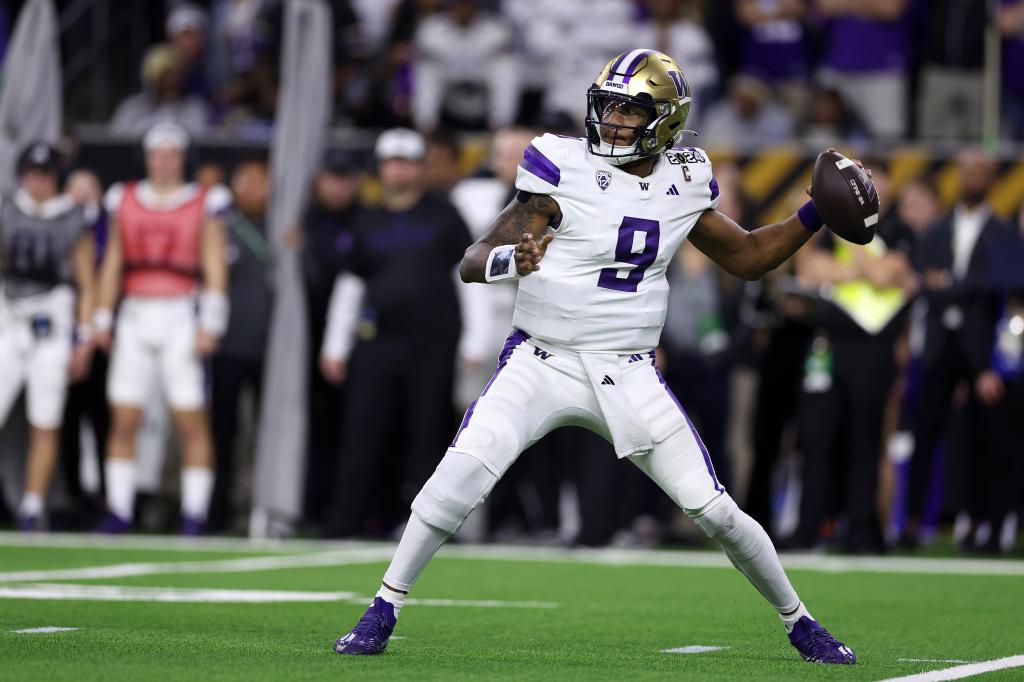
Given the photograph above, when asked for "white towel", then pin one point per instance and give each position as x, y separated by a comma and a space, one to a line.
630, 435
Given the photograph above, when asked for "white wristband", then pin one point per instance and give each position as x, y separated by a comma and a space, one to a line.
501, 264
213, 312
102, 319
83, 334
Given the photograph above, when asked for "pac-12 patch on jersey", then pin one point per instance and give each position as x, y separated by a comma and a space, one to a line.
602, 285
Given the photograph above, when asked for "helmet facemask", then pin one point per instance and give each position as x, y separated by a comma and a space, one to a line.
659, 129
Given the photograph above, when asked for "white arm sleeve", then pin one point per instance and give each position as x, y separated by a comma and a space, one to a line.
343, 316
477, 307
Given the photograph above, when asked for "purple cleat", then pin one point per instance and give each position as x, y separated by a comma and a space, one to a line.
816, 645
28, 523
192, 527
113, 524
371, 633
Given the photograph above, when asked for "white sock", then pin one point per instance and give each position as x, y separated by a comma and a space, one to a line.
120, 487
393, 597
196, 488
31, 505
418, 545
790, 619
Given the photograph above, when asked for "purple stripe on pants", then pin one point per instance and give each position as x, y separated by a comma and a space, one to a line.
514, 339
703, 449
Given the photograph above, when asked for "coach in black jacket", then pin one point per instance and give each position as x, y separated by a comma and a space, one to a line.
960, 320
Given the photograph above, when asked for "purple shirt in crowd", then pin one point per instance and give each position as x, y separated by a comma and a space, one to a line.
857, 45
775, 51
1013, 60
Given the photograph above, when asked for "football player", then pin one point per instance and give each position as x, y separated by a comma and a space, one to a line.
46, 253
166, 238
589, 236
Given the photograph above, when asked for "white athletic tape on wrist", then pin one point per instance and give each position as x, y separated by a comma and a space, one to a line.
213, 312
83, 334
501, 264
103, 319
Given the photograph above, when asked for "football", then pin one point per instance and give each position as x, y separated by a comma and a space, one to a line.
845, 197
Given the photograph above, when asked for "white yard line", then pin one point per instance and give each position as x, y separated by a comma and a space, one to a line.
244, 565
43, 631
203, 595
961, 671
692, 649
602, 557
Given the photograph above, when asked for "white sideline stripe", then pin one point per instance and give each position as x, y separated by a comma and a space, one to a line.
692, 649
710, 559
961, 671
45, 630
245, 565
931, 660
203, 595
613, 557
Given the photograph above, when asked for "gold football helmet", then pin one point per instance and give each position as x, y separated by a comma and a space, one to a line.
640, 80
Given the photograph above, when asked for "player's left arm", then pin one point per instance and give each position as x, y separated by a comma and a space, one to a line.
747, 255
213, 301
83, 259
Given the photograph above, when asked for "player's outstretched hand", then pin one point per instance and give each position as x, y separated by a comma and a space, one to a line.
530, 251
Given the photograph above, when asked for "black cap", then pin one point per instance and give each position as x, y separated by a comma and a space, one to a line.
40, 156
340, 162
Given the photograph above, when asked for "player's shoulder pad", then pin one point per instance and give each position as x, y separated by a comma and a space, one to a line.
543, 162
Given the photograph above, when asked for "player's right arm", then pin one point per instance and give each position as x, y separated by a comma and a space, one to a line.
109, 286
521, 223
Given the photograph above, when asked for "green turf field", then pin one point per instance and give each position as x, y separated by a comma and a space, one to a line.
486, 614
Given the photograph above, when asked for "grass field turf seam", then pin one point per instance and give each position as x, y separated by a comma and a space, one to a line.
611, 624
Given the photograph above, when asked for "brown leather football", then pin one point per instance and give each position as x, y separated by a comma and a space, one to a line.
845, 197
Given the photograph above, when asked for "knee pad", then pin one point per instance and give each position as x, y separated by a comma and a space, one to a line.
459, 484
727, 524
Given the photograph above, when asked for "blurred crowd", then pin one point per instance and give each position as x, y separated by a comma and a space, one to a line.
762, 71
860, 397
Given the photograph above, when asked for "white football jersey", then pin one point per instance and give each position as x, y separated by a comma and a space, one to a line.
601, 286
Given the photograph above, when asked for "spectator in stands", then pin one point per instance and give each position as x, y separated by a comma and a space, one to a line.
162, 98
748, 117
954, 260
774, 47
677, 29
829, 120
327, 244
237, 367
952, 48
186, 32
465, 74
1010, 21
565, 43
848, 378
245, 44
443, 162
918, 206
399, 299
866, 60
